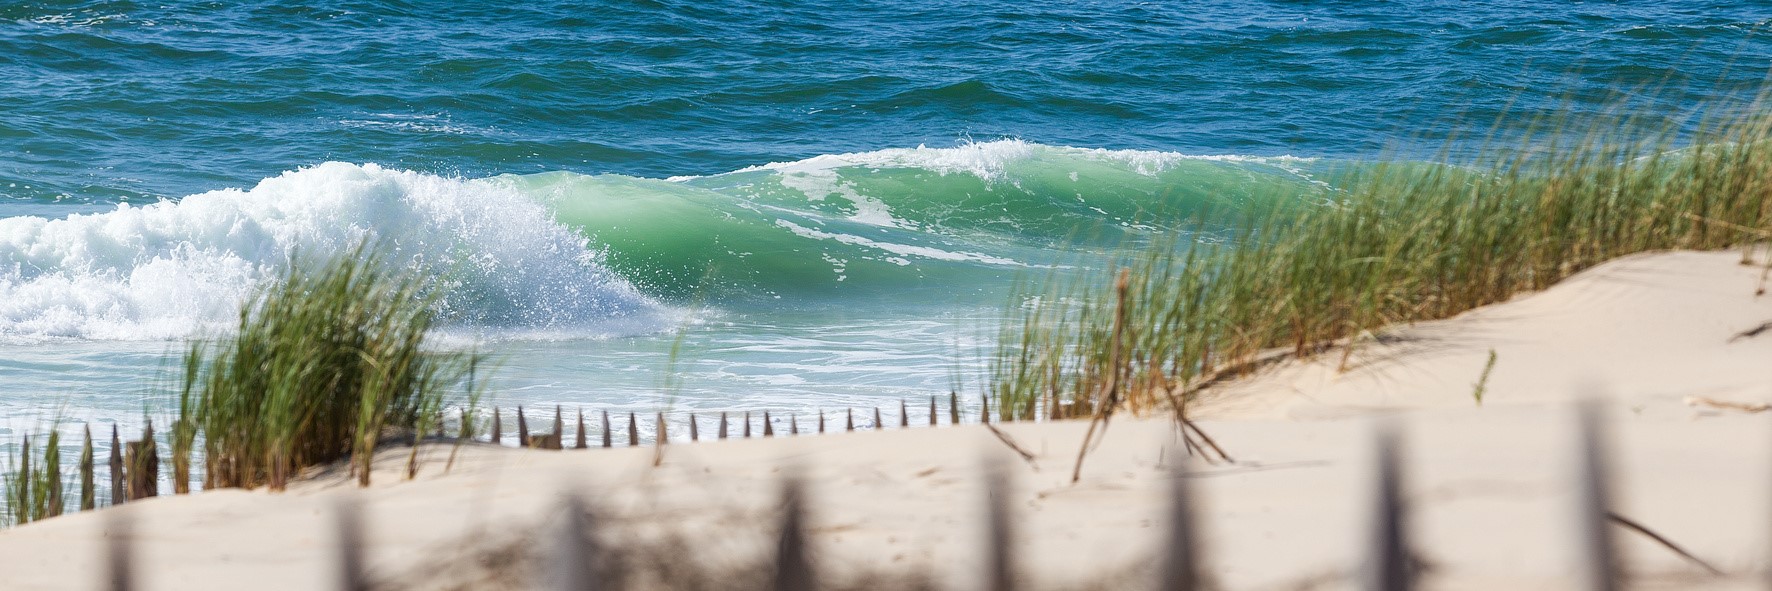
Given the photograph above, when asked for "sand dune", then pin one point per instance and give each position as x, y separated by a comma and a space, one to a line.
1652, 337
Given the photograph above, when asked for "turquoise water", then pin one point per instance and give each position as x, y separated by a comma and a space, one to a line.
825, 204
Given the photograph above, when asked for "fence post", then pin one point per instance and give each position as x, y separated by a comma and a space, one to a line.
953, 408
1389, 566
1000, 562
984, 409
633, 431
793, 424
575, 556
821, 421
1180, 570
522, 428
350, 545
792, 570
747, 424
88, 490
848, 419
662, 436
579, 440
694, 429
878, 424
904, 414
144, 466
119, 494
559, 428
768, 427
119, 554
497, 426
722, 434
608, 438
1598, 552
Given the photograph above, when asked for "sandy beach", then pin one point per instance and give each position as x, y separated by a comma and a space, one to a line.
1661, 340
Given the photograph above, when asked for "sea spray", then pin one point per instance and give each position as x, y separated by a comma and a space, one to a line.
166, 269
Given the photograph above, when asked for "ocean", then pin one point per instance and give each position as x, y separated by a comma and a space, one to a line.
786, 206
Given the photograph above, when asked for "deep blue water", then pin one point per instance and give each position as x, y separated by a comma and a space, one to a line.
108, 100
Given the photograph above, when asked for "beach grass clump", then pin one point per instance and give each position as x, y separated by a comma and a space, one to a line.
34, 487
326, 362
1391, 243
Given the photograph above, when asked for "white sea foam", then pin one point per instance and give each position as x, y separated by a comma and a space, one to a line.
171, 268
992, 160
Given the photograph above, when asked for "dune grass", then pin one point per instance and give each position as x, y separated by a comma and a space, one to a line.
1391, 243
33, 485
327, 361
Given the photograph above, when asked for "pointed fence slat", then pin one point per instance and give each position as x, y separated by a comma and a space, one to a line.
999, 547
821, 421
497, 426
904, 414
878, 424
747, 424
848, 419
694, 429
953, 408
722, 434
522, 428
88, 488
119, 494
119, 551
1388, 565
1180, 570
559, 427
633, 431
932, 413
768, 426
793, 572
1599, 566
349, 522
663, 436
793, 425
608, 438
575, 557
579, 441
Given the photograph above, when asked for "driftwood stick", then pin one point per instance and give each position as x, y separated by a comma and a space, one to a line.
1632, 525
1013, 446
